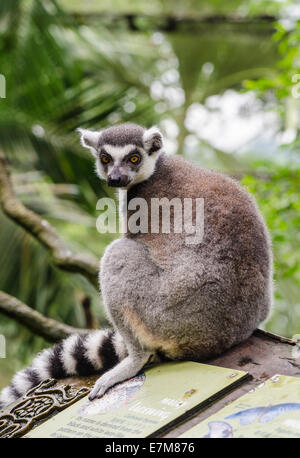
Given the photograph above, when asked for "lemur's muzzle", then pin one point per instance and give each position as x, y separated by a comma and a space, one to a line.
117, 180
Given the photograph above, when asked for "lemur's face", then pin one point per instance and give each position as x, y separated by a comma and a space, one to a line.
125, 154
123, 165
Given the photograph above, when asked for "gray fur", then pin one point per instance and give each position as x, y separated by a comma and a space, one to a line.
122, 135
165, 297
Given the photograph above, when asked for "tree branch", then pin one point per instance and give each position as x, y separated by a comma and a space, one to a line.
51, 330
171, 22
83, 263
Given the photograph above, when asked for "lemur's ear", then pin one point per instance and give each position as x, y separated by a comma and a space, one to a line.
89, 139
153, 140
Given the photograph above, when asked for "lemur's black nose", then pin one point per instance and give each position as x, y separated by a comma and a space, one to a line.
118, 182
114, 181
117, 179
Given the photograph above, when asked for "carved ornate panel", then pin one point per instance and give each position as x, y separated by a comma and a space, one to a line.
40, 402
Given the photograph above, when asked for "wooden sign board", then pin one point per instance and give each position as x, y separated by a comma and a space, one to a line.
272, 409
146, 404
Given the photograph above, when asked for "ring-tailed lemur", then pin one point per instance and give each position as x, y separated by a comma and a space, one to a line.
163, 296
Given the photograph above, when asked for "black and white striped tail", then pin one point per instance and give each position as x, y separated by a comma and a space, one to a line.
95, 352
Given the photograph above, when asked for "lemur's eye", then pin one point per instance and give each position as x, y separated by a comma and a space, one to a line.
105, 159
134, 159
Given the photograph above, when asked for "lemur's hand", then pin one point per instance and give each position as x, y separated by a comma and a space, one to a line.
127, 368
101, 386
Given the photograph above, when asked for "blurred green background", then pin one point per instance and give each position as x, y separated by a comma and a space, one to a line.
220, 80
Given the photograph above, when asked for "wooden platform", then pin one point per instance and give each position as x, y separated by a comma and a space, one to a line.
262, 356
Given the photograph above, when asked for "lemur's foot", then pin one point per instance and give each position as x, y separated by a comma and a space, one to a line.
126, 369
100, 387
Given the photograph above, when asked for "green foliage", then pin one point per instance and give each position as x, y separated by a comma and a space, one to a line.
58, 77
287, 66
181, 7
277, 194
